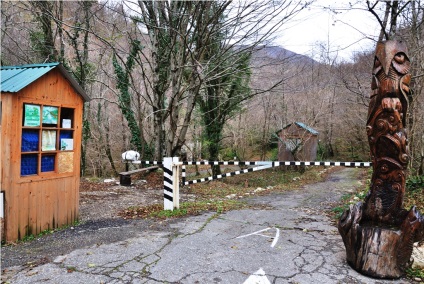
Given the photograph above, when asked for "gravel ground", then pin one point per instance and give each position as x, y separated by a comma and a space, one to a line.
100, 203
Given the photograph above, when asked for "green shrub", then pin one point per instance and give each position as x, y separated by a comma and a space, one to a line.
414, 183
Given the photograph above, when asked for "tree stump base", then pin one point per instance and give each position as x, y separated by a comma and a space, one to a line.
380, 251
375, 251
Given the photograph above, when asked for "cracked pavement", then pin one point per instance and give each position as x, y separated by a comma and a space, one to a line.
292, 243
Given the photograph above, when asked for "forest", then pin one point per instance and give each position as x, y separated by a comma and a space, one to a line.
205, 79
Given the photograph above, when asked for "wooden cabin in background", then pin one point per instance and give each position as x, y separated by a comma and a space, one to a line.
41, 129
297, 142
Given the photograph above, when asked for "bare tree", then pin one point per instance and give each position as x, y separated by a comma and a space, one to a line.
176, 64
412, 23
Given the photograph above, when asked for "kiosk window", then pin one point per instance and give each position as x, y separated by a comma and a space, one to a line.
47, 139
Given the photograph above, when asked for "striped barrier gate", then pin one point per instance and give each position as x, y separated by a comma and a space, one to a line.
171, 173
261, 166
148, 163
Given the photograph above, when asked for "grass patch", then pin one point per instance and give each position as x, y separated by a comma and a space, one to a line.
186, 208
31, 237
414, 193
352, 198
70, 269
346, 201
338, 210
415, 273
229, 193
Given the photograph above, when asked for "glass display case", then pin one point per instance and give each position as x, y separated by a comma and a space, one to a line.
47, 139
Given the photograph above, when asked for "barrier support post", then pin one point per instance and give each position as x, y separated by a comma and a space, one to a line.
168, 197
171, 187
176, 182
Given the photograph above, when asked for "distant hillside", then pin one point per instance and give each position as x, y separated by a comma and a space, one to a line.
281, 54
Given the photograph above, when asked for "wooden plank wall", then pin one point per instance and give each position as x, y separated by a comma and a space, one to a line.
308, 151
8, 134
37, 203
42, 205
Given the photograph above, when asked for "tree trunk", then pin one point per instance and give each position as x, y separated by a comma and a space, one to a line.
421, 167
86, 134
213, 155
60, 32
108, 150
159, 137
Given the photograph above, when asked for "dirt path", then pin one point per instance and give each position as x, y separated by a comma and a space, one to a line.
103, 200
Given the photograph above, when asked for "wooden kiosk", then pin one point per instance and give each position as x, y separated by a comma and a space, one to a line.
41, 128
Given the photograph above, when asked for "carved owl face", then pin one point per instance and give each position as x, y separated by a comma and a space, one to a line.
391, 53
391, 66
391, 77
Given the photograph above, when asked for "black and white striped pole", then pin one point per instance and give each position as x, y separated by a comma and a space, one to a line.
171, 193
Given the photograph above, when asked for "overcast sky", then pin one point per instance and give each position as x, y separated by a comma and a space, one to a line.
345, 32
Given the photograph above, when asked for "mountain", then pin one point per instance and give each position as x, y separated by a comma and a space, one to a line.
281, 54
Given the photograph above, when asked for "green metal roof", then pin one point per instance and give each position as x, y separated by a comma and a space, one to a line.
15, 78
304, 126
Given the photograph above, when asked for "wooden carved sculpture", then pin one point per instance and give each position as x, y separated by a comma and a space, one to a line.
379, 234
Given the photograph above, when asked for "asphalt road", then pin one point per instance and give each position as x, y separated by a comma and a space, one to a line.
294, 242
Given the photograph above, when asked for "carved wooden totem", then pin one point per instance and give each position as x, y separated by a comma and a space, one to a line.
379, 234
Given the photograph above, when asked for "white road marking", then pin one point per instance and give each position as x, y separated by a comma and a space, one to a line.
277, 236
258, 233
258, 277
254, 233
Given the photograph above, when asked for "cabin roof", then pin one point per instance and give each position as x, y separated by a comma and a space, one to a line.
303, 126
15, 78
